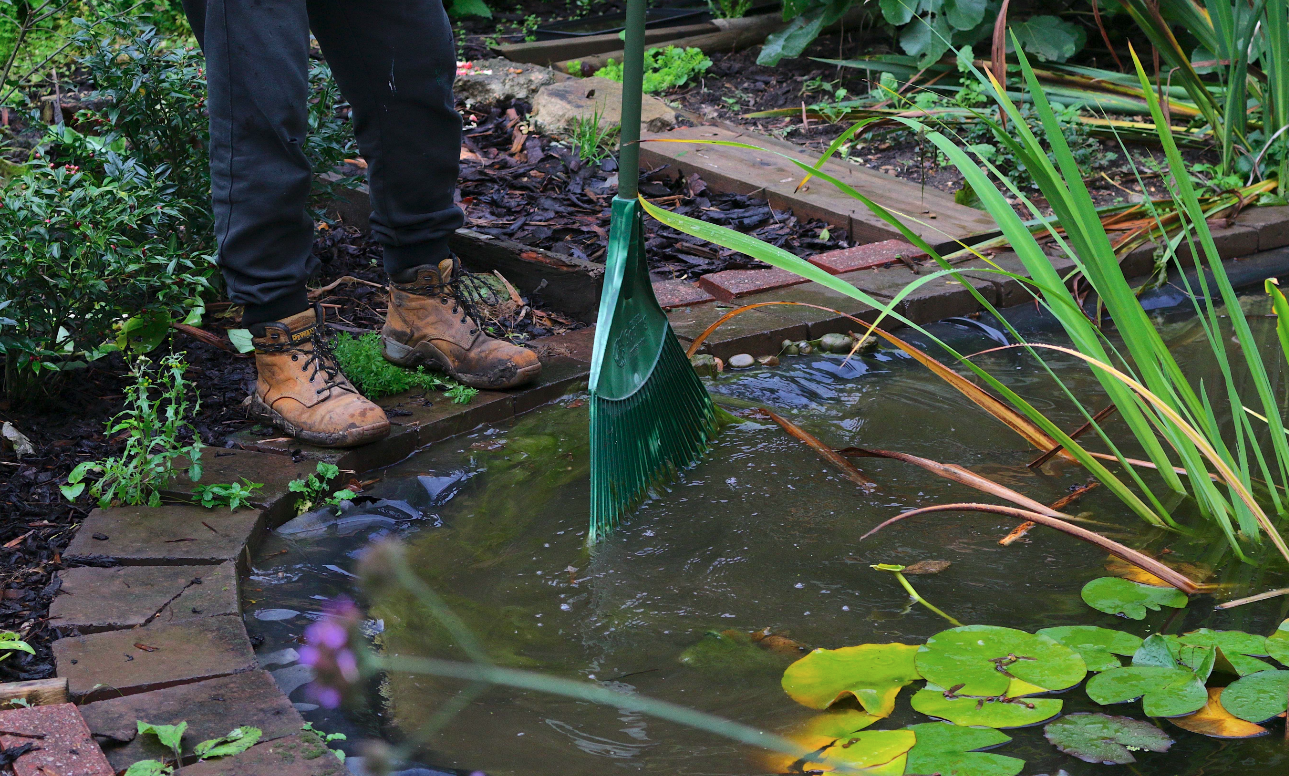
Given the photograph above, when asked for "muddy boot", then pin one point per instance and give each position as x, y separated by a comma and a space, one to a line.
301, 389
431, 323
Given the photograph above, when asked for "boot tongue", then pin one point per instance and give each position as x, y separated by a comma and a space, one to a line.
445, 271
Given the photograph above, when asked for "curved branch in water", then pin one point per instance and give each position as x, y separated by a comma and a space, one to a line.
1172, 577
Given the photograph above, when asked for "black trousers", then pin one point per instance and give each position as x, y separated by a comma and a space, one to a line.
395, 62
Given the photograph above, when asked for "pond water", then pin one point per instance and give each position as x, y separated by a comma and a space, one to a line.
761, 534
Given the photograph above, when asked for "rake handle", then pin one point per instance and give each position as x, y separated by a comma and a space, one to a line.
632, 95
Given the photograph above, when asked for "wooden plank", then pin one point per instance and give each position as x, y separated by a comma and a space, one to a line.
927, 212
544, 52
40, 692
734, 37
570, 285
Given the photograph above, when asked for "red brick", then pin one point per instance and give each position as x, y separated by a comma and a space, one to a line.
679, 293
733, 283
65, 747
867, 256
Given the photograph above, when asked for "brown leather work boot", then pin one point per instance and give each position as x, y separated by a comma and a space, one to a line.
301, 389
430, 322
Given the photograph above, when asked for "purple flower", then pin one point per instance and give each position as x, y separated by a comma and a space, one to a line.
326, 650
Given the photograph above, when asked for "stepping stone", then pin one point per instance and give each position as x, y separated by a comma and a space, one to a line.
118, 663
679, 293
734, 283
211, 709
105, 599
773, 177
173, 535
64, 748
490, 81
559, 376
867, 256
272, 470
300, 755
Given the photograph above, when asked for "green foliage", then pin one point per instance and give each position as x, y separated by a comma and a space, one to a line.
10, 643
1097, 646
1258, 697
154, 424
315, 489
460, 8
1101, 738
1130, 599
322, 739
231, 495
663, 68
331, 138
1167, 686
170, 736
361, 361
237, 740
982, 659
951, 750
729, 9
593, 139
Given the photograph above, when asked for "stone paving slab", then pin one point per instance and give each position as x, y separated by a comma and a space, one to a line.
274, 471
92, 600
942, 297
821, 322
64, 749
679, 293
1231, 241
174, 535
578, 345
559, 376
1271, 224
117, 663
299, 755
867, 256
757, 331
211, 709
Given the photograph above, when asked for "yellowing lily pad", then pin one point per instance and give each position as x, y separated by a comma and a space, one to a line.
881, 751
983, 659
950, 750
1258, 697
989, 712
1236, 646
873, 673
1130, 599
1097, 646
1101, 738
836, 724
1216, 722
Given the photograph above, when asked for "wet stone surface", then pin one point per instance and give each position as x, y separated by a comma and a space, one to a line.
153, 657
300, 755
170, 535
211, 709
272, 470
104, 599
64, 747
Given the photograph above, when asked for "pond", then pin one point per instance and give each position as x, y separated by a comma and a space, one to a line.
762, 534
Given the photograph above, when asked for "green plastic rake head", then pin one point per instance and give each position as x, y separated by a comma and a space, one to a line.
650, 414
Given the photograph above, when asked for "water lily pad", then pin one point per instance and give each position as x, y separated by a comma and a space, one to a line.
1258, 697
836, 724
1130, 599
950, 750
731, 652
1101, 738
1165, 692
1278, 643
982, 659
1236, 646
1122, 568
1216, 722
875, 749
1097, 646
873, 673
990, 712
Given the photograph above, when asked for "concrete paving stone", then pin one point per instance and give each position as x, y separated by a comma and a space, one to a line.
273, 470
819, 322
300, 755
867, 256
734, 283
172, 535
1271, 223
1140, 261
416, 424
577, 344
1231, 241
1010, 291
117, 663
934, 300
92, 600
758, 332
559, 376
211, 709
679, 293
64, 748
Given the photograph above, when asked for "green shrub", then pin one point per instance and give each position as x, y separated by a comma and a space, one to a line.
663, 68
367, 369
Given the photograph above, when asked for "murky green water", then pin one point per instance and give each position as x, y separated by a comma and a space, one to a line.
762, 534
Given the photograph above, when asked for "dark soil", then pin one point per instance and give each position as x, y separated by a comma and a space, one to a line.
536, 191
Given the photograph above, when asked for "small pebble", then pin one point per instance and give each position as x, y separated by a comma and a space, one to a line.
101, 537
741, 361
768, 360
705, 365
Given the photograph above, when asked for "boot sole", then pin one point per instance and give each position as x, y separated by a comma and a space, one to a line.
425, 355
255, 407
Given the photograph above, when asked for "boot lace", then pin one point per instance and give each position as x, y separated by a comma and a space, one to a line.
321, 358
464, 291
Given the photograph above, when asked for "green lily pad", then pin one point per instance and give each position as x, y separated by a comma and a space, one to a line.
1100, 738
990, 712
1130, 599
1237, 647
873, 673
1167, 687
1257, 697
1278, 643
950, 750
982, 659
1097, 646
867, 749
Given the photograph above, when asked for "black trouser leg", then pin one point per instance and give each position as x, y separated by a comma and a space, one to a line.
395, 62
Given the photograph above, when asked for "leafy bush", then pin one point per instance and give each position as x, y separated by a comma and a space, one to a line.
330, 140
155, 427
663, 68
361, 361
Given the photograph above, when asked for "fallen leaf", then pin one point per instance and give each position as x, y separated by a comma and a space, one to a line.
1216, 722
145, 647
17, 440
926, 567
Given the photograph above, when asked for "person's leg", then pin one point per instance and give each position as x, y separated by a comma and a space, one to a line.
257, 72
395, 62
